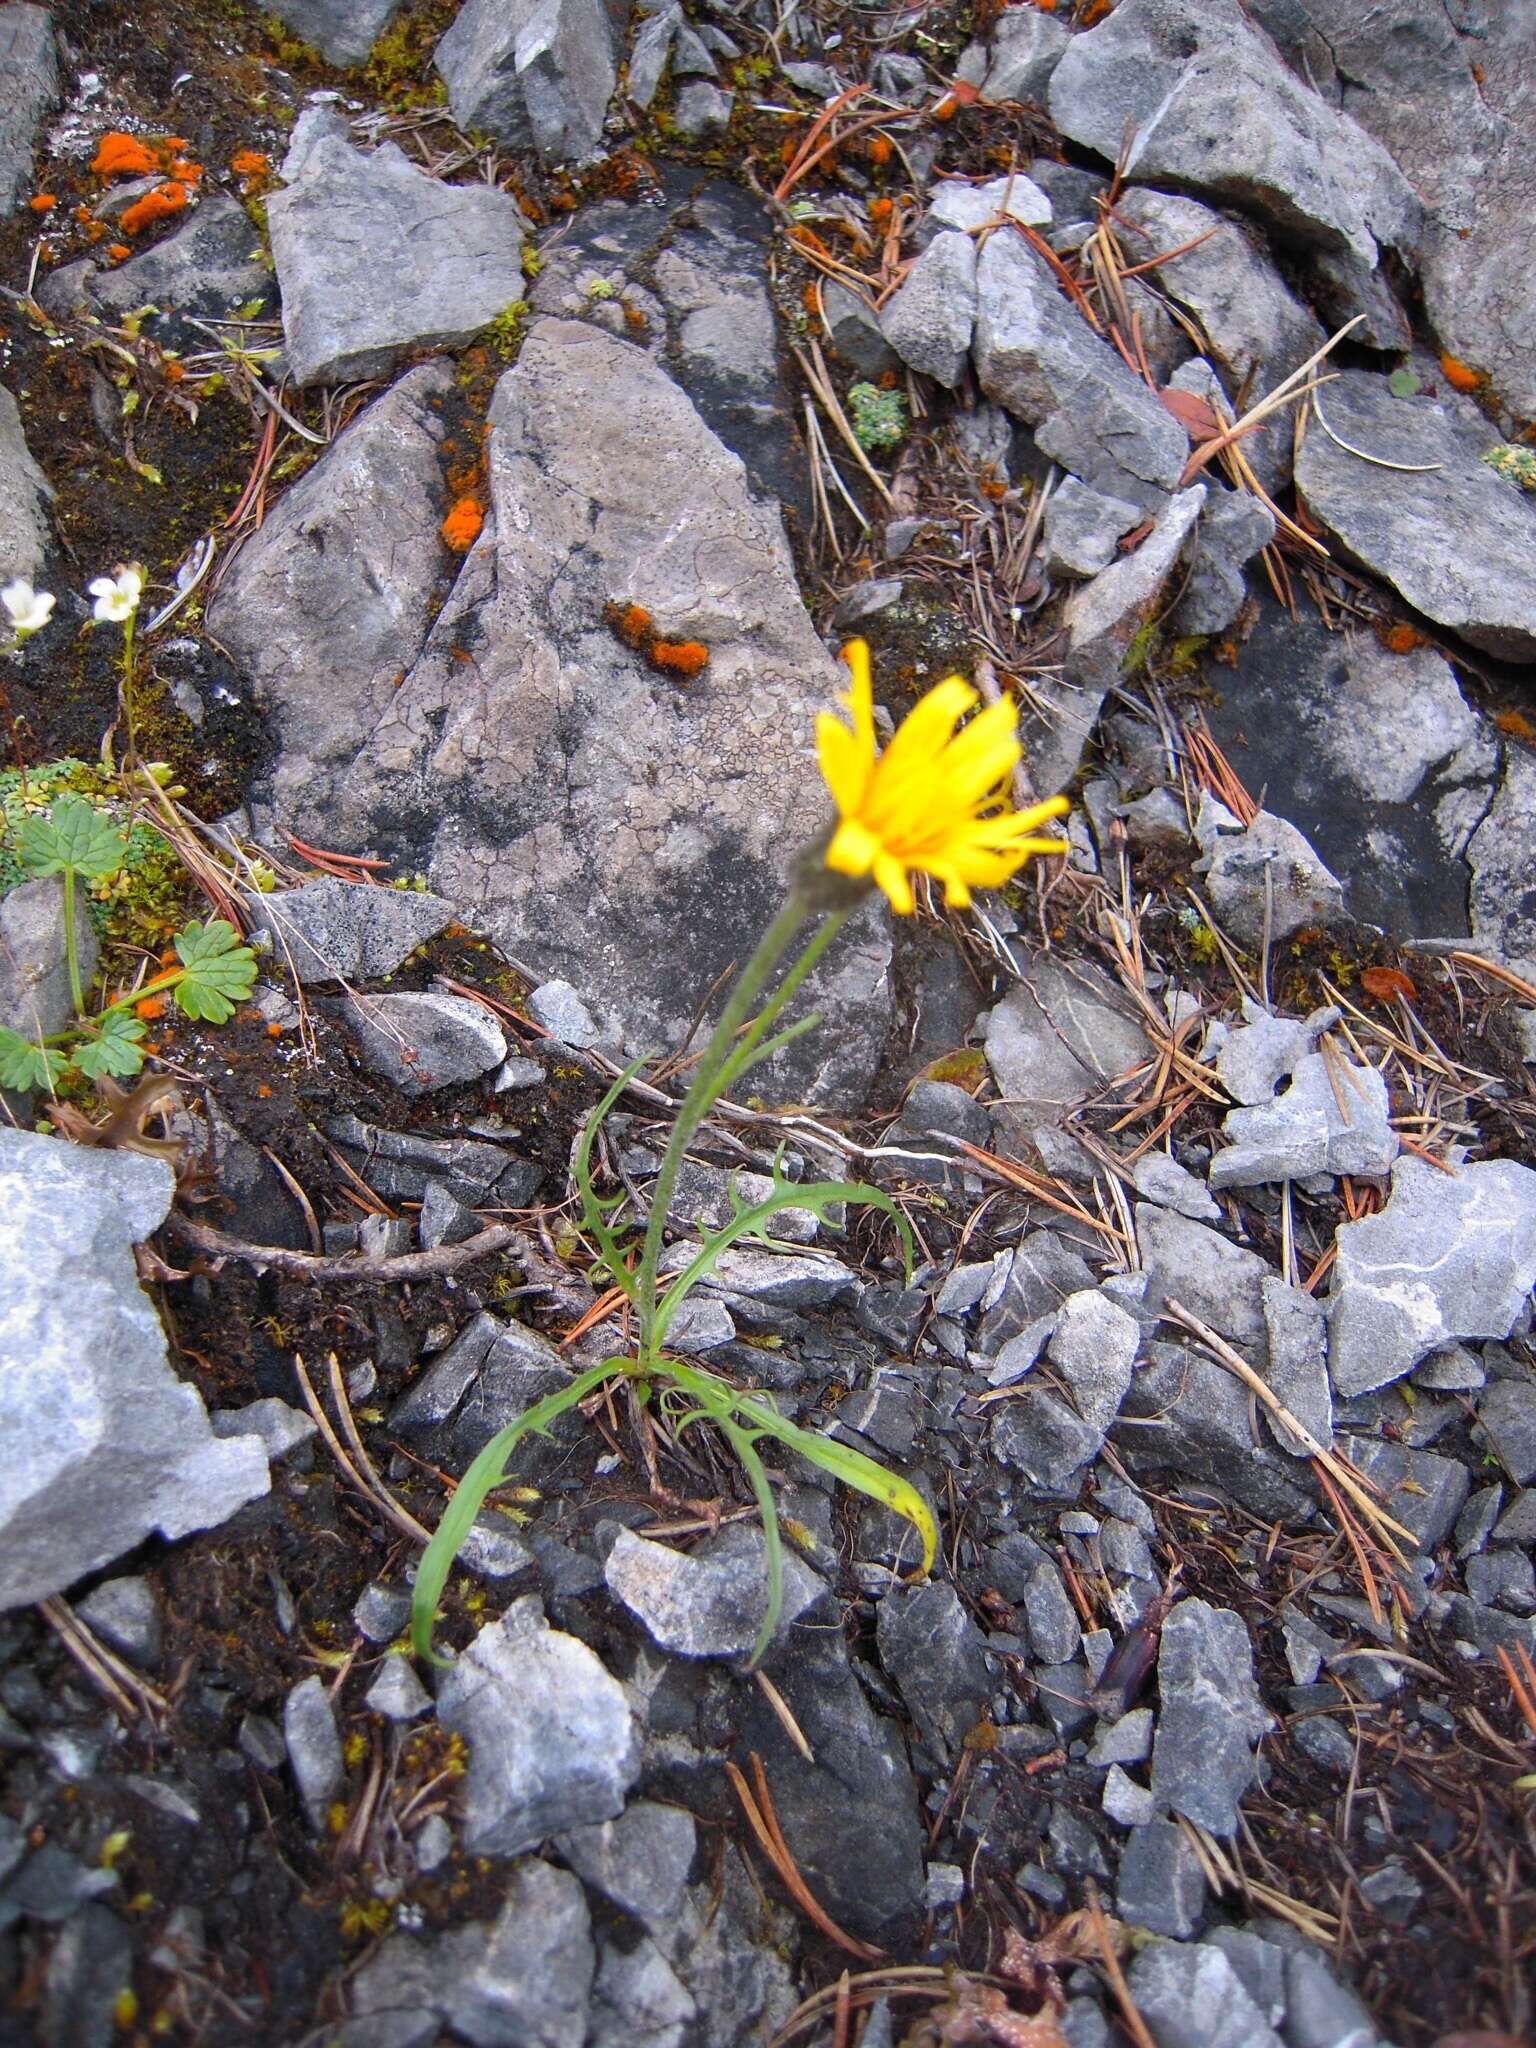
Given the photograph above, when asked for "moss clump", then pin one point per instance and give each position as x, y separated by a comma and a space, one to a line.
145, 902
878, 418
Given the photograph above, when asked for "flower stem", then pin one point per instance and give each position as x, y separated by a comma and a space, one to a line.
716, 1058
133, 742
71, 942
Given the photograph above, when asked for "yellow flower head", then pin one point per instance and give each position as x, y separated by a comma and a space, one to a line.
936, 801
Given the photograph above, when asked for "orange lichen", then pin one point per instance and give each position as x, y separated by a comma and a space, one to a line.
1457, 374
119, 251
159, 204
678, 657
631, 622
1398, 639
1514, 725
42, 202
880, 211
461, 528
185, 170
150, 1008
249, 163
122, 156
881, 149
634, 319
810, 298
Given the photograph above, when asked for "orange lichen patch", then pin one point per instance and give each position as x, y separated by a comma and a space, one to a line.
123, 156
42, 202
632, 623
1514, 725
461, 528
809, 239
1457, 375
157, 205
678, 657
881, 149
82, 213
634, 319
880, 211
151, 1009
1398, 639
187, 171
249, 163
810, 298
119, 251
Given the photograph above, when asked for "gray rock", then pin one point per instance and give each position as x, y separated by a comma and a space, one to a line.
1233, 528
261, 1740
125, 1614
526, 1981
639, 2001
1102, 621
1453, 539
1036, 1433
1126, 1741
709, 1603
552, 1741
1451, 98
1216, 1280
1297, 1370
1446, 1258
1025, 48
382, 1612
332, 930
701, 109
1038, 357
444, 1218
402, 1165
211, 267
1055, 1039
457, 261
322, 608
1320, 2012
486, 1378
1210, 1716
279, 1426
35, 995
1158, 1177
1093, 1348
1194, 1998
930, 318
856, 334
477, 61
1083, 528
565, 62
1377, 757
397, 1693
934, 1654
25, 493
1212, 108
640, 1861
314, 1747
1055, 1627
701, 1324
954, 203
1518, 1522
1125, 1801
1254, 1057
1334, 1118
1421, 1490
90, 1966
752, 1274
106, 1444
1161, 1885
1265, 877
558, 1009
1503, 851
1256, 330
699, 861
1506, 1423
1457, 1371
29, 89
648, 55
1502, 1578
1487, 1630
1029, 1287
427, 1041
343, 31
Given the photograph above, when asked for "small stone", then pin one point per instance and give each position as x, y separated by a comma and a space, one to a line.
314, 1747
929, 319
1037, 1434
943, 1887
1055, 1039
528, 1977
280, 1427
1502, 1578
1477, 1519
1094, 1349
702, 109
343, 31
457, 260
710, 1602
1506, 1423
517, 1072
1323, 1742
700, 1325
397, 1693
857, 339
125, 1614
552, 1741
1126, 1741
35, 998
1025, 49
444, 1218
1253, 1058
1211, 1716
1233, 528
1125, 1801
493, 1551
342, 931
747, 1274
1335, 1118
1447, 1257
1161, 1179
1216, 1280
262, 1741
1518, 1523
1456, 1371
1161, 1885
934, 1653
556, 1008
1421, 1490
1267, 876
1083, 528
640, 1860
1297, 1370
426, 1041
1319, 2011
382, 1613
432, 1843
639, 2001
957, 204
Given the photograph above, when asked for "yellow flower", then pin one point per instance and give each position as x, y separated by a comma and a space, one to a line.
936, 801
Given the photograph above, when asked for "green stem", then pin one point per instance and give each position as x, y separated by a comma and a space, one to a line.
72, 943
133, 743
717, 1056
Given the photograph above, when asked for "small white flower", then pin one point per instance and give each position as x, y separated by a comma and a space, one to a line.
29, 609
117, 597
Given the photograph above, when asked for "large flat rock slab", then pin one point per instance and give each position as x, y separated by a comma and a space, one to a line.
1418, 507
1213, 110
29, 89
616, 826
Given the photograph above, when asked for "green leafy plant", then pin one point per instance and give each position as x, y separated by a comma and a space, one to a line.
688, 1394
879, 417
215, 970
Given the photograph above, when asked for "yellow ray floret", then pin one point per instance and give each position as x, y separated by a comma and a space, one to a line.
936, 801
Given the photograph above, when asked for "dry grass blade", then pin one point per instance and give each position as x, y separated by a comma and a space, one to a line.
1042, 1188
764, 1823
812, 148
814, 370
392, 1512
1522, 1683
128, 1693
1130, 2014
1364, 454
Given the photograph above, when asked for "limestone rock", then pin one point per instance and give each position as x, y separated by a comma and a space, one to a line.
710, 1602
343, 31
105, 1444
1209, 1718
1332, 1119
427, 1040
1265, 877
35, 995
25, 493
29, 89
538, 73
332, 930
376, 259
929, 319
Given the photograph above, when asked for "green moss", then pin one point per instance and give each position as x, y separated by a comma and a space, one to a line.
878, 418
145, 903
